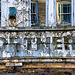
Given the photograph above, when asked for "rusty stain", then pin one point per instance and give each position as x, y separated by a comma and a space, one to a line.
2, 66
53, 65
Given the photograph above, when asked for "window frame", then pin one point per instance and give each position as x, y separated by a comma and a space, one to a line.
60, 13
72, 11
36, 13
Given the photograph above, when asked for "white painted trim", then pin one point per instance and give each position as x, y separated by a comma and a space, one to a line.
71, 12
1, 13
47, 12
54, 12
30, 13
51, 13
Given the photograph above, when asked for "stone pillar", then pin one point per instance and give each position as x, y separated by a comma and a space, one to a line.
52, 13
47, 12
29, 13
73, 11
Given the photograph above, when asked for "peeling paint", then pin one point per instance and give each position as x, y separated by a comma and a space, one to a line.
33, 44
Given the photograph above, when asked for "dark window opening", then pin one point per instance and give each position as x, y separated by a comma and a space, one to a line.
34, 13
12, 13
38, 13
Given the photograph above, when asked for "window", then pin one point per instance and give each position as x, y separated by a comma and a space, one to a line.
12, 13
38, 12
34, 13
63, 13
12, 16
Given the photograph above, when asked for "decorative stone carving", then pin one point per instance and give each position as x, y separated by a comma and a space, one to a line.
30, 43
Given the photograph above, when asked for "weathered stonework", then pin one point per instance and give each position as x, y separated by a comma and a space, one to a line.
38, 44
22, 11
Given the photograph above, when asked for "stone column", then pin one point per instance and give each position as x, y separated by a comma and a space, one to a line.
73, 11
52, 13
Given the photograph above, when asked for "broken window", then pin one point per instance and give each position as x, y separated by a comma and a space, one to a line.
12, 13
63, 12
38, 13
12, 16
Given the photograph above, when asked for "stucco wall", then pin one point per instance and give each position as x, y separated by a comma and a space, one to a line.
42, 12
22, 15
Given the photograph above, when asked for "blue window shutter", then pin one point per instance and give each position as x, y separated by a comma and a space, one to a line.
12, 11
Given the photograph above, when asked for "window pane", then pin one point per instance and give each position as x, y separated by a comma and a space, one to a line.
34, 19
64, 8
69, 8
